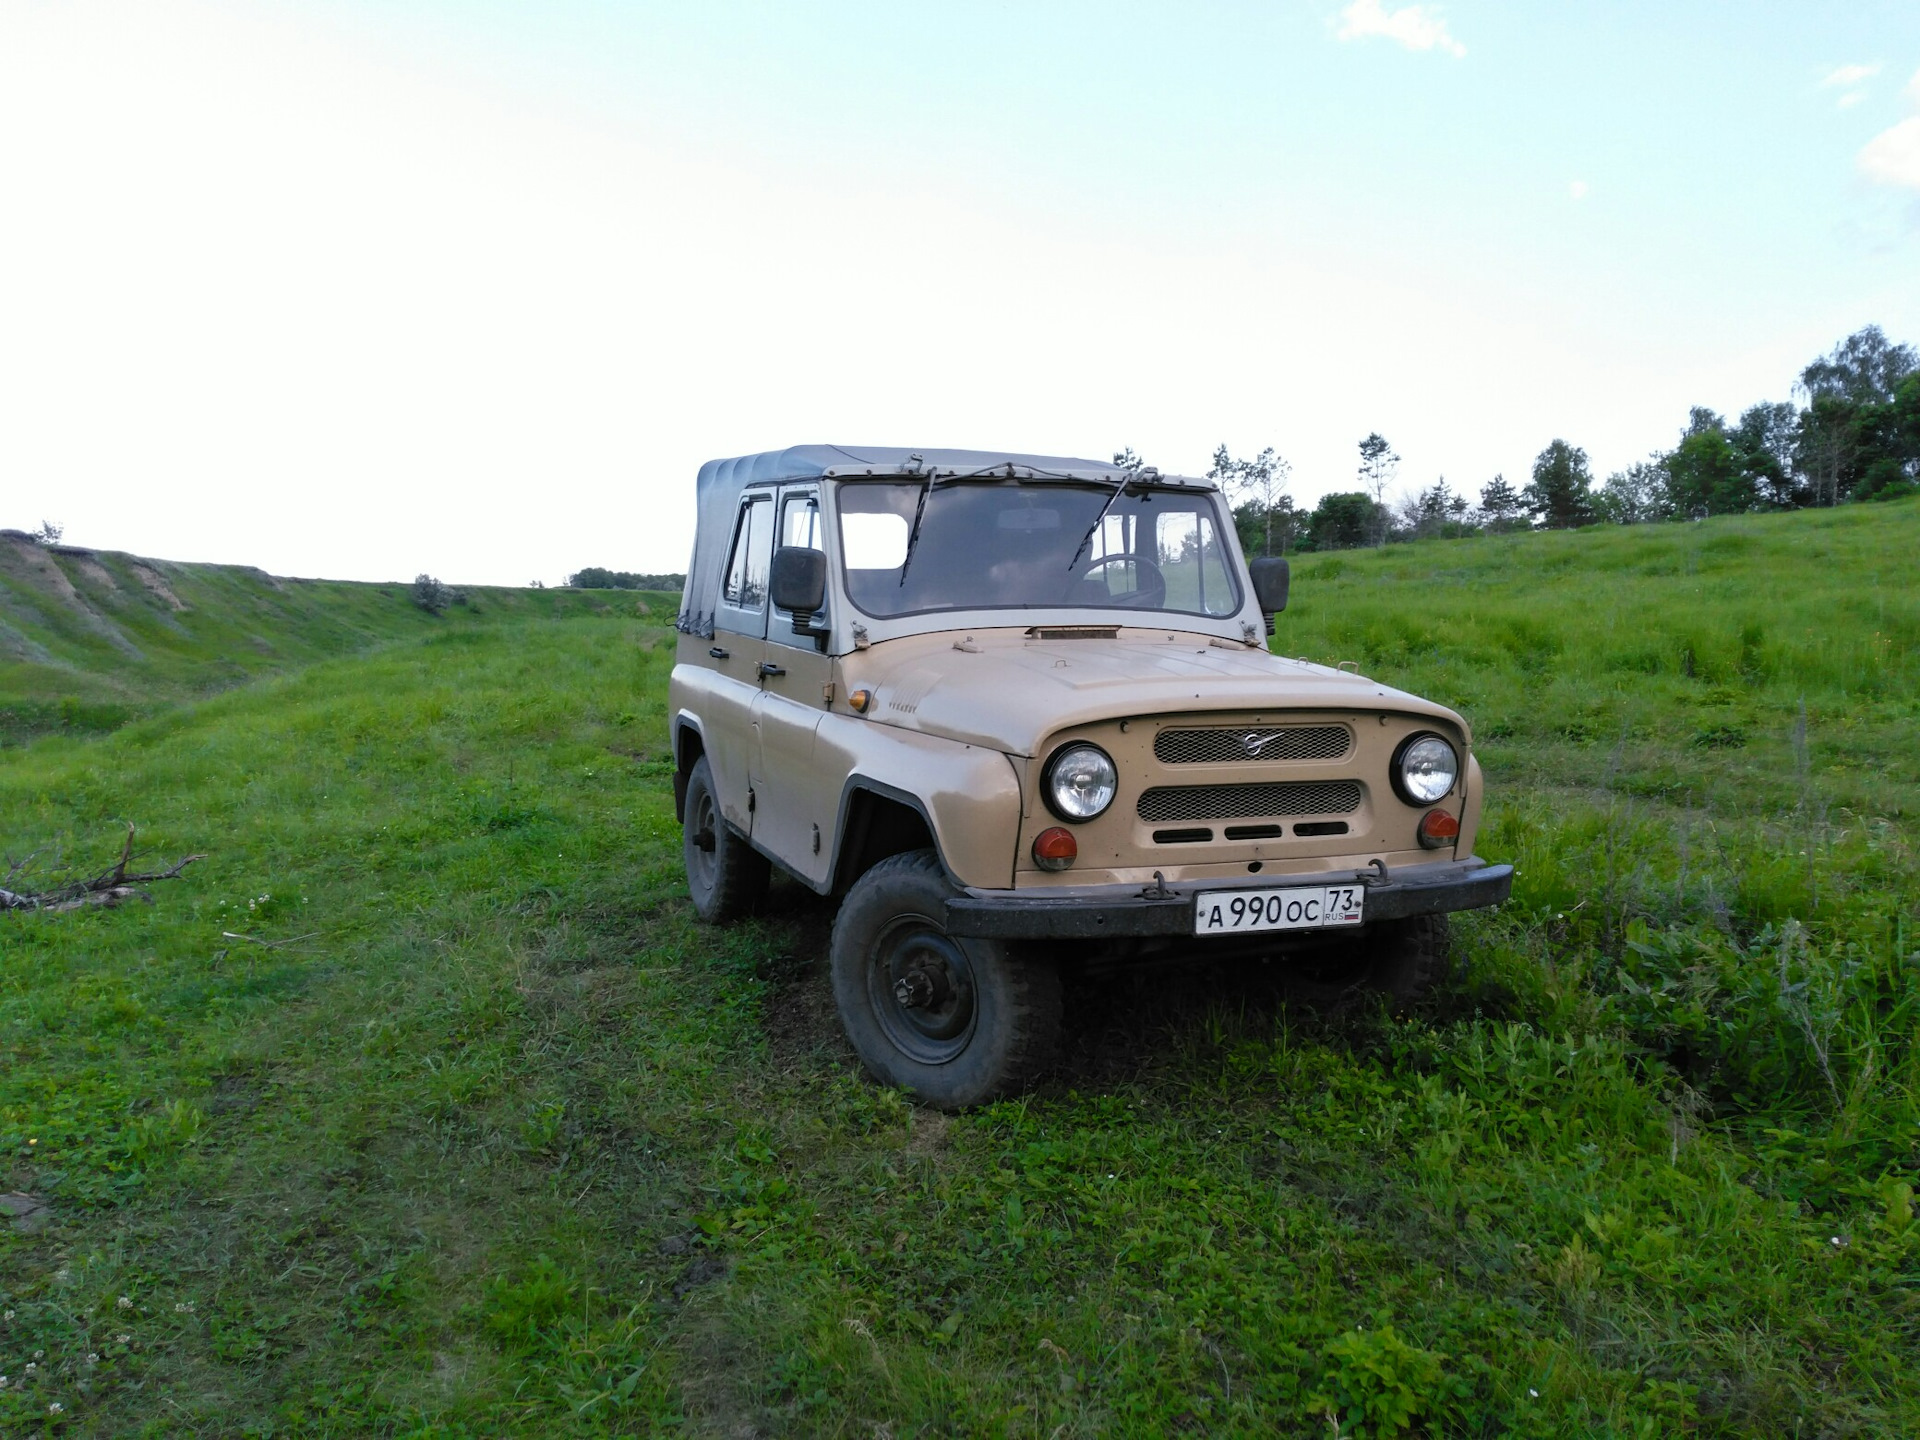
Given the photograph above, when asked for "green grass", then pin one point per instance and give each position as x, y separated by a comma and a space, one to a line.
92, 639
511, 1146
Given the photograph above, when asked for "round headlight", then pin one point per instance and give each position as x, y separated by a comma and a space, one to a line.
1080, 782
1424, 769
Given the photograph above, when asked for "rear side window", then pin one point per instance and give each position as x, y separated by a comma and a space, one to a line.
746, 587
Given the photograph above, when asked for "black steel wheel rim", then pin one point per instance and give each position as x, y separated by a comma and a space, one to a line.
921, 987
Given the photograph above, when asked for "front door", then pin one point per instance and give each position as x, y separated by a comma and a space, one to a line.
795, 806
733, 655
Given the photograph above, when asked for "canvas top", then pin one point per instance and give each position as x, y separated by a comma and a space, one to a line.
721, 482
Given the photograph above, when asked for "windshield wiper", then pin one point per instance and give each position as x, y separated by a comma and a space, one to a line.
1146, 477
1098, 521
913, 535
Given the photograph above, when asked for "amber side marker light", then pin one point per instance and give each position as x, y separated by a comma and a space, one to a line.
861, 700
1438, 829
1055, 848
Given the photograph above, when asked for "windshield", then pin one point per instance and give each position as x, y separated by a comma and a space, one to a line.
1003, 545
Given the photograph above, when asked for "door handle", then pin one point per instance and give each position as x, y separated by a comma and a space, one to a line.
716, 652
767, 672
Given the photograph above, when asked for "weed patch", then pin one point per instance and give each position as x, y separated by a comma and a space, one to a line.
496, 1140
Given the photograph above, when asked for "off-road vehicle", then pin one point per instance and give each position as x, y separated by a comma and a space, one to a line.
1018, 710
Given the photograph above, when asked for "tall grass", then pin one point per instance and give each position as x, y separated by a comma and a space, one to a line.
494, 1140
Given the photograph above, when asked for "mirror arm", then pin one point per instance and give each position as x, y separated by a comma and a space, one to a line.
819, 634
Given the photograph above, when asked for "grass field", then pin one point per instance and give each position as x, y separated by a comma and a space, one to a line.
90, 639
496, 1140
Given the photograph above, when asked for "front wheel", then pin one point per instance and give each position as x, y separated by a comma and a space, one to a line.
956, 1021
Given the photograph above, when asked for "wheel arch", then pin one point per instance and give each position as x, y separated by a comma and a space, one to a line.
877, 821
689, 745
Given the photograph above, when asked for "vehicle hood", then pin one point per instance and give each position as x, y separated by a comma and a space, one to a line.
1011, 692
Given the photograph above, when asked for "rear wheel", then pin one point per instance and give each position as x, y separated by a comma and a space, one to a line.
956, 1021
725, 875
1403, 960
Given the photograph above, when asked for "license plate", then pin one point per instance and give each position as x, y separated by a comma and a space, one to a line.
1241, 912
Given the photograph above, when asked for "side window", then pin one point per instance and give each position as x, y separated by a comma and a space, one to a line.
800, 521
799, 526
746, 583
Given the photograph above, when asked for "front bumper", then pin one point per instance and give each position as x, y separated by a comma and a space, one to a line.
1110, 911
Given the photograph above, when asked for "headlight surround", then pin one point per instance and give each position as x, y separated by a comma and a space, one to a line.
1080, 782
1425, 769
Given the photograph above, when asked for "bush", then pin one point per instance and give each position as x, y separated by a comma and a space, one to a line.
433, 597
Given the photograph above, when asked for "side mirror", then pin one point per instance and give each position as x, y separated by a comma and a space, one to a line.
799, 581
1270, 579
799, 584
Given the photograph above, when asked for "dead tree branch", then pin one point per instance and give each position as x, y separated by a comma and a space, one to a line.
112, 886
269, 944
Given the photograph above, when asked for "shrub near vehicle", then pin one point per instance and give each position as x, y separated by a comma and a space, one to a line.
1017, 709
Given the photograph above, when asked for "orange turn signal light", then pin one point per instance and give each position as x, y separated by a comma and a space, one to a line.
861, 700
1055, 848
1438, 829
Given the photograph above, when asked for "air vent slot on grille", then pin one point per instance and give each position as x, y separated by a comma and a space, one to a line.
1172, 803
1198, 836
1244, 743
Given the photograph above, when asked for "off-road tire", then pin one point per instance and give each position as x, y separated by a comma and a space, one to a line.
730, 878
1402, 960
895, 917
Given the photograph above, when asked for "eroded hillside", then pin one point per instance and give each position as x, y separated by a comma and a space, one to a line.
89, 639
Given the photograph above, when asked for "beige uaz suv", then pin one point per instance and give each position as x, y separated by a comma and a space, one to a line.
1015, 710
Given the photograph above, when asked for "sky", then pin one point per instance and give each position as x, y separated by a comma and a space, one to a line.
367, 289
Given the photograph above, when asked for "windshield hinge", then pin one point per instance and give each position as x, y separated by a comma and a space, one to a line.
860, 641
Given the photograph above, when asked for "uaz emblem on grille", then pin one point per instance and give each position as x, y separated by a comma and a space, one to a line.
1253, 743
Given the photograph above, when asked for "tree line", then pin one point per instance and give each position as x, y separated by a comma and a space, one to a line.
594, 577
1851, 433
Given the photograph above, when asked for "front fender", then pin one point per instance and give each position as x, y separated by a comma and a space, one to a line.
1470, 811
968, 794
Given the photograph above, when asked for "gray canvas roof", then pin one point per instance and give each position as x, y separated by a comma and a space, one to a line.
721, 482
808, 462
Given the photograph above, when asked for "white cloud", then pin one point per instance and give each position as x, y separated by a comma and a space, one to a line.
1893, 156
1849, 78
1845, 77
1417, 27
1577, 189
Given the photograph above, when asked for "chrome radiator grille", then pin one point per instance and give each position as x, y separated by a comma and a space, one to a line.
1242, 802
1251, 742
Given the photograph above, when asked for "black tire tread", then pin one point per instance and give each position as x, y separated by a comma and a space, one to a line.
1029, 989
741, 873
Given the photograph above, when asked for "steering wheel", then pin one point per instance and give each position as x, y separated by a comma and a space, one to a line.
1150, 594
